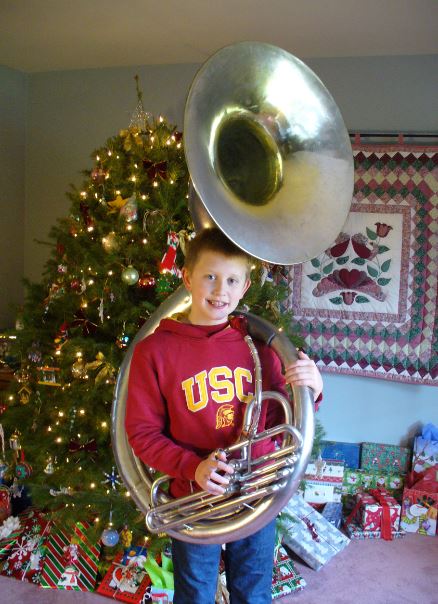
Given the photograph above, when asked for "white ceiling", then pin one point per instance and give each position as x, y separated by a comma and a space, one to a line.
46, 35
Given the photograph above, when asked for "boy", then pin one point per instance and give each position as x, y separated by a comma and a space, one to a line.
186, 397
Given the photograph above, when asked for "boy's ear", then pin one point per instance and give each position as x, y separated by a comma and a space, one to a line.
186, 278
246, 286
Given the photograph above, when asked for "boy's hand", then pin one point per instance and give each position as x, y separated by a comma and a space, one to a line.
207, 473
304, 372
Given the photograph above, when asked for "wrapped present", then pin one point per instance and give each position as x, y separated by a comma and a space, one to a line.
14, 526
348, 453
355, 531
323, 480
126, 579
26, 555
332, 512
376, 510
307, 533
356, 481
425, 454
389, 458
71, 560
161, 589
420, 505
285, 578
5, 502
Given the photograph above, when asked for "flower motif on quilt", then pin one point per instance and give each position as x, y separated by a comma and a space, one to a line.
354, 284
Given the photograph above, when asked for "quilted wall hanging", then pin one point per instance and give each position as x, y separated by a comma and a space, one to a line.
368, 305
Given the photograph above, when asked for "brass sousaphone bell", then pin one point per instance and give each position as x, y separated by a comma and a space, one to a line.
271, 165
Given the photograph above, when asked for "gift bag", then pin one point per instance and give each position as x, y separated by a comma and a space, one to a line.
285, 578
161, 589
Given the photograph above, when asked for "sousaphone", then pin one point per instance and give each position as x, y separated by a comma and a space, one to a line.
271, 165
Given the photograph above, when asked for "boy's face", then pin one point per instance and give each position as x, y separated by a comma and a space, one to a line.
217, 283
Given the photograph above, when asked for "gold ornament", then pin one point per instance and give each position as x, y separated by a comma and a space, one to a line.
24, 394
117, 203
105, 371
130, 275
110, 242
126, 536
79, 369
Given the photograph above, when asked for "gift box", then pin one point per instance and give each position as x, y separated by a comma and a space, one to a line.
307, 533
285, 578
425, 454
332, 512
71, 560
126, 579
355, 531
389, 458
348, 453
14, 526
323, 481
376, 510
356, 481
26, 555
420, 505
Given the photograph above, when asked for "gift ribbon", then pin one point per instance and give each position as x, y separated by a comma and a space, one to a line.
161, 576
380, 497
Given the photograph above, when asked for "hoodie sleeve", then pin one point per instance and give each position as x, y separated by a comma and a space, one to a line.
146, 420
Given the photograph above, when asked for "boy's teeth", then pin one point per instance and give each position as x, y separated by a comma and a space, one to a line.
217, 304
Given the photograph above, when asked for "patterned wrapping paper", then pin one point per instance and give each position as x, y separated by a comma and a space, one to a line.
307, 533
26, 556
285, 578
333, 513
369, 514
27, 520
354, 531
376, 456
126, 579
368, 305
71, 561
348, 453
356, 481
323, 481
424, 454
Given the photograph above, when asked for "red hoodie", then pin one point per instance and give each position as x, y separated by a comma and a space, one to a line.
186, 396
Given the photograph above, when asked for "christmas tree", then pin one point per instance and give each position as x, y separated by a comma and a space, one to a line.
113, 261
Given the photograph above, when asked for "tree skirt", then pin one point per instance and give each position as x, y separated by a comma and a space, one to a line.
368, 304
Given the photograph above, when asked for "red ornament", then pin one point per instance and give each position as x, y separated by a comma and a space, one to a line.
98, 175
167, 264
146, 281
75, 285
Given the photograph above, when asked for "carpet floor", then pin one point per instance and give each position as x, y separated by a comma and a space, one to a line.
403, 571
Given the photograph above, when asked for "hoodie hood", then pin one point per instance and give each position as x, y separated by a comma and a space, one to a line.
223, 332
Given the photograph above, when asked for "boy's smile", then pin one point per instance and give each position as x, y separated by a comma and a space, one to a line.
217, 284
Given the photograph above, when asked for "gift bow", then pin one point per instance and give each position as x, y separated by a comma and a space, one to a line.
381, 498
155, 169
160, 576
75, 446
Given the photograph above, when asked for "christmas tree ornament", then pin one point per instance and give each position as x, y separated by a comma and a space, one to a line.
62, 269
99, 175
35, 355
151, 220
140, 118
49, 376
117, 204
80, 320
14, 440
62, 336
60, 249
23, 469
168, 262
109, 537
22, 375
85, 211
130, 275
75, 285
122, 340
104, 370
146, 281
155, 170
126, 536
129, 212
112, 478
50, 466
166, 284
79, 370
5, 502
110, 242
24, 394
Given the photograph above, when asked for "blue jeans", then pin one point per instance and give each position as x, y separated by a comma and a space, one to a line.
248, 567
